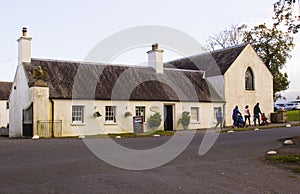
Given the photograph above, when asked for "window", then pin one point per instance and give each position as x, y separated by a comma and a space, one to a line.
110, 114
77, 114
195, 114
7, 105
249, 79
140, 111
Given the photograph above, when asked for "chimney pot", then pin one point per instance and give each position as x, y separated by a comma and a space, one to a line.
154, 46
24, 31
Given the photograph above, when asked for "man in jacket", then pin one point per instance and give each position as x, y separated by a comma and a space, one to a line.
256, 112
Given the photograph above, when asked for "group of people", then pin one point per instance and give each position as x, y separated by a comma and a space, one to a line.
257, 116
237, 117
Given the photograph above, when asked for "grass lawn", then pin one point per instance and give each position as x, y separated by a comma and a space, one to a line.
293, 115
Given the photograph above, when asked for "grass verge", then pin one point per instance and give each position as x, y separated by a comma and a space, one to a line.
133, 135
293, 115
296, 170
285, 159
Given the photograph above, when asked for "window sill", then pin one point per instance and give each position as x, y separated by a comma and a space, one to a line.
78, 124
110, 123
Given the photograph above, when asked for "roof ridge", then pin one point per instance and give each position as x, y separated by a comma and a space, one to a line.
88, 62
208, 52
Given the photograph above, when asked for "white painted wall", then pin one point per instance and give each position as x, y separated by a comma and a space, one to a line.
235, 93
41, 110
4, 114
20, 98
96, 125
218, 83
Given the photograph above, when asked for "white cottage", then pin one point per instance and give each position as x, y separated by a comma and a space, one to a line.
52, 98
239, 76
4, 106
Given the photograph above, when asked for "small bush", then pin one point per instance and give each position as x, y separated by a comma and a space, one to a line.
154, 120
185, 119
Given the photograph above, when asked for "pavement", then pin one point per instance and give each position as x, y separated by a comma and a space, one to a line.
270, 125
233, 165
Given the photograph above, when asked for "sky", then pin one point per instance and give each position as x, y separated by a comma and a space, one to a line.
70, 29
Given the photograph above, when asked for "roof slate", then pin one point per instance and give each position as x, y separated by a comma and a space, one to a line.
5, 88
67, 80
213, 63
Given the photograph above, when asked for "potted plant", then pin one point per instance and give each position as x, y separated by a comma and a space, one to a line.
185, 120
154, 120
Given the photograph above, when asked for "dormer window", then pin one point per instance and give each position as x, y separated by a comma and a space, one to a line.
249, 79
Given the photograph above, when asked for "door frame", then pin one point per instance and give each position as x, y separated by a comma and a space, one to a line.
173, 115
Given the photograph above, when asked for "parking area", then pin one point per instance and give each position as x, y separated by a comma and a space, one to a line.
233, 165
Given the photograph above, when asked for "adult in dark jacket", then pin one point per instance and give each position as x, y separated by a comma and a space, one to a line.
256, 112
235, 116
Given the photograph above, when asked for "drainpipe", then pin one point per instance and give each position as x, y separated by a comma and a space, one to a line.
224, 115
52, 118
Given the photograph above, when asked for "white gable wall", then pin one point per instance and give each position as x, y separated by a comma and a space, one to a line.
20, 98
235, 93
4, 114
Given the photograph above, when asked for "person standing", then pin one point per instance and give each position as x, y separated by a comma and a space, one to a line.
235, 116
256, 112
247, 115
219, 116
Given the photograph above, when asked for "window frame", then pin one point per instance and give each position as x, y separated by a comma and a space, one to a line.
112, 114
80, 116
197, 120
139, 111
249, 80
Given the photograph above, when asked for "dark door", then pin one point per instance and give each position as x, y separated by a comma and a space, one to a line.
168, 123
28, 122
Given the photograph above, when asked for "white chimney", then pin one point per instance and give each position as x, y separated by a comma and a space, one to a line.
24, 48
155, 58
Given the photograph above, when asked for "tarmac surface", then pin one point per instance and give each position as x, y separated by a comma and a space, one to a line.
233, 165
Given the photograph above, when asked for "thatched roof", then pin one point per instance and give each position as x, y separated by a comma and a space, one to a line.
67, 80
5, 88
213, 63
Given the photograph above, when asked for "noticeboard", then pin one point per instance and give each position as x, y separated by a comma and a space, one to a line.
138, 124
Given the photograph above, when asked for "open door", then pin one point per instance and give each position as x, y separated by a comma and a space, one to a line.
168, 115
28, 121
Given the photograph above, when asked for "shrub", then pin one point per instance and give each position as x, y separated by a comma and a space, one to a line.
185, 119
154, 120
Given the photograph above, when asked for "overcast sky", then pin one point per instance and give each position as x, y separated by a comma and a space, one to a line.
70, 29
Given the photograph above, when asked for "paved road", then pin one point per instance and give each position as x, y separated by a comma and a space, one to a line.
233, 165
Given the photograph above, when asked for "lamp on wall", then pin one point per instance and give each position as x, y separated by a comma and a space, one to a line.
97, 114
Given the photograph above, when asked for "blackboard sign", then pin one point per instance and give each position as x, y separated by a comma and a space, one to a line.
138, 124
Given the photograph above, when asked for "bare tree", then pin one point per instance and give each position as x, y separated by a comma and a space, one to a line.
232, 36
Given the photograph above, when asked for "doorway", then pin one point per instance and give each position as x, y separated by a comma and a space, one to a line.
28, 121
168, 113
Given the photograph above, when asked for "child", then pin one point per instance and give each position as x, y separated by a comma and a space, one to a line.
247, 114
264, 119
